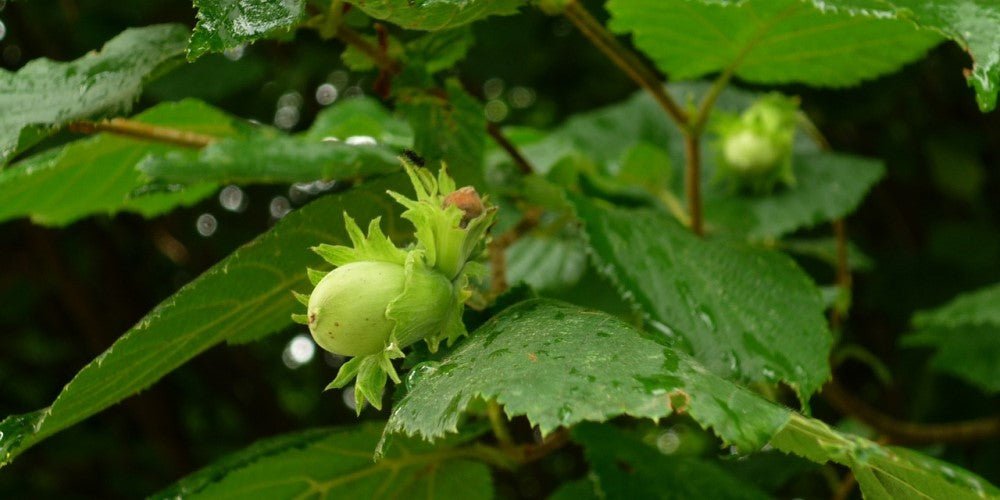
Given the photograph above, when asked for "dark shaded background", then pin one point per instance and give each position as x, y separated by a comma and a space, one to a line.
66, 295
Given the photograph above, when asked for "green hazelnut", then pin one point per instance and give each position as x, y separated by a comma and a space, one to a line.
347, 309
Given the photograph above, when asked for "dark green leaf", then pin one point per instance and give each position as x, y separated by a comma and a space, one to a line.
560, 365
50, 94
447, 126
226, 24
981, 307
337, 463
434, 15
242, 298
581, 489
97, 175
883, 472
965, 334
547, 260
825, 250
973, 24
768, 41
828, 186
745, 313
626, 468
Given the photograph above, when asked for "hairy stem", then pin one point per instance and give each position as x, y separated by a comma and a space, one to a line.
624, 58
122, 126
902, 432
692, 181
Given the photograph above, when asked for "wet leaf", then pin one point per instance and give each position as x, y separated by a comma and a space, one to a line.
883, 472
97, 175
745, 313
827, 186
244, 297
768, 41
434, 15
560, 365
227, 24
337, 463
973, 24
44, 95
624, 467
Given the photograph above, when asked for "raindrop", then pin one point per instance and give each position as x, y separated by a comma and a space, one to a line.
331, 139
279, 207
521, 97
333, 360
706, 318
3, 30
326, 94
668, 442
348, 396
419, 372
286, 117
235, 53
353, 91
206, 225
493, 88
361, 140
299, 351
233, 199
290, 99
338, 78
495, 110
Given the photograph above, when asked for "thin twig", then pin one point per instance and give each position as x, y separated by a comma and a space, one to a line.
902, 432
522, 163
130, 128
624, 58
844, 280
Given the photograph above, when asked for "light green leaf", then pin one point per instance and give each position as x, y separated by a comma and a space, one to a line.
97, 175
447, 126
226, 24
827, 186
272, 160
973, 24
883, 472
624, 467
434, 15
560, 365
337, 463
362, 116
745, 313
51, 94
768, 41
242, 298
965, 334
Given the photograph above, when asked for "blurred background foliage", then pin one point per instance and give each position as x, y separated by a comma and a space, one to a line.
932, 229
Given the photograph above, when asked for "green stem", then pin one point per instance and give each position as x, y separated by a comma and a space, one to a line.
499, 424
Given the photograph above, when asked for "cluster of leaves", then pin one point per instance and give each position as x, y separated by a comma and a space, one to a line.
717, 328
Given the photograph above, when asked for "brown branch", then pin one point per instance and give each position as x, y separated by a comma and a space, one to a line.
522, 163
692, 181
130, 128
843, 280
624, 58
902, 432
527, 453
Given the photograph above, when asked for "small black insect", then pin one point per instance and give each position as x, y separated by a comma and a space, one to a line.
414, 157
